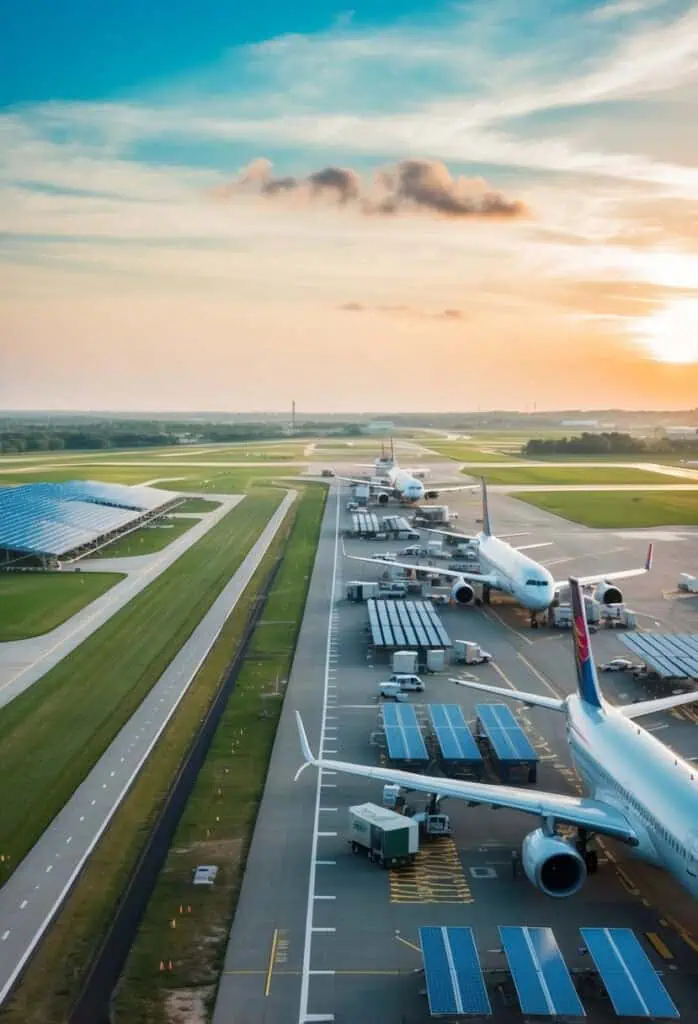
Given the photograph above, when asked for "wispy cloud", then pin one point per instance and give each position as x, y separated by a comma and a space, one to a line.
623, 8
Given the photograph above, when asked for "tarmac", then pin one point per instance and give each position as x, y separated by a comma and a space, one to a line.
322, 935
35, 891
23, 662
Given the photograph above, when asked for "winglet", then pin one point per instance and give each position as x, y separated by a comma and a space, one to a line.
650, 555
587, 680
305, 747
486, 528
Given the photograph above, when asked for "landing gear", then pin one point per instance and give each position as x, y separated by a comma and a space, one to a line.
587, 849
534, 621
486, 593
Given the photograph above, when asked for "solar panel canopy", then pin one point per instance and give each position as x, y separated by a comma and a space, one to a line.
52, 519
670, 655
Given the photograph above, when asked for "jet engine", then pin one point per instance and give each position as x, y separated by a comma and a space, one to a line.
431, 494
606, 593
462, 593
552, 864
383, 498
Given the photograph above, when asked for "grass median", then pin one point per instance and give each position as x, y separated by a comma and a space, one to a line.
32, 603
619, 509
466, 453
217, 824
73, 713
146, 540
573, 475
198, 505
51, 985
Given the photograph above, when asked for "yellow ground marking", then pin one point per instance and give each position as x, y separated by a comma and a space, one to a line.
507, 626
685, 935
660, 946
272, 956
436, 876
503, 674
406, 942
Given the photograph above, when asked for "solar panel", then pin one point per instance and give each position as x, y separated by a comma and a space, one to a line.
509, 741
543, 983
402, 733
55, 518
630, 979
673, 655
452, 971
406, 624
455, 740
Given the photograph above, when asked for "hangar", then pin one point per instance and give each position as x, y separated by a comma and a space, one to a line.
46, 524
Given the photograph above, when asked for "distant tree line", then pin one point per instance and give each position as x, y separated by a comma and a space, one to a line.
18, 437
609, 443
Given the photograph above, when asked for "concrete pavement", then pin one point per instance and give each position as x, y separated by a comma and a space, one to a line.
23, 662
34, 893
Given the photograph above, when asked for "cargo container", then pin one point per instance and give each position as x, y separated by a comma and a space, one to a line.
688, 583
388, 838
436, 660
404, 662
361, 590
470, 652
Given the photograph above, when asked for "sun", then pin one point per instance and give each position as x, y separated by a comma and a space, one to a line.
671, 334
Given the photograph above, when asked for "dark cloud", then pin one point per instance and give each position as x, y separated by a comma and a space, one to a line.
425, 185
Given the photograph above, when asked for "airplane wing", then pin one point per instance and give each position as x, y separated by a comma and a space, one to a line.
534, 699
602, 577
594, 815
434, 570
360, 480
465, 537
649, 707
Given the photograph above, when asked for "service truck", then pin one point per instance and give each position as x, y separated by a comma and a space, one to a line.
688, 583
387, 838
470, 652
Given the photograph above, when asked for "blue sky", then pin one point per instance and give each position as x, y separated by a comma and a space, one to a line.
556, 184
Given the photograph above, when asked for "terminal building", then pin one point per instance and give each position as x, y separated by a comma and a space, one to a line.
47, 524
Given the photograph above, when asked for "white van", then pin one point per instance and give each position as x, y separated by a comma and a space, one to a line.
392, 691
407, 682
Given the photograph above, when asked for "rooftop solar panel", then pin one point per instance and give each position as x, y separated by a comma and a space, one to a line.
508, 740
455, 984
455, 739
405, 624
672, 655
543, 983
402, 733
630, 979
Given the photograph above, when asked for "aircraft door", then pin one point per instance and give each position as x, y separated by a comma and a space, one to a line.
692, 853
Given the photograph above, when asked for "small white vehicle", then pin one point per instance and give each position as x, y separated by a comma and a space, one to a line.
392, 691
386, 556
407, 681
620, 665
412, 549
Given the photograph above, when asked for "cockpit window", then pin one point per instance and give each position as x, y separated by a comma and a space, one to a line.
536, 583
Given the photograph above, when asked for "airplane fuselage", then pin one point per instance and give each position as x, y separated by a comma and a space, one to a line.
528, 582
407, 487
624, 765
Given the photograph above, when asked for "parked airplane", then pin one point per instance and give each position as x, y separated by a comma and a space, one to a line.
510, 571
403, 484
639, 791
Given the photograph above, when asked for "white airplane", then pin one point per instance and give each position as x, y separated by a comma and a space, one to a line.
510, 571
403, 485
639, 791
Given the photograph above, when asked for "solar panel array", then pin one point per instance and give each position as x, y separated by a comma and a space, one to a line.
455, 739
406, 624
402, 733
54, 518
396, 524
509, 741
544, 986
673, 655
365, 523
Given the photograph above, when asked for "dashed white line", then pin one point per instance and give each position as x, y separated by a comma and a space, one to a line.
23, 904
316, 897
329, 809
323, 930
5, 935
326, 863
69, 839
49, 868
327, 834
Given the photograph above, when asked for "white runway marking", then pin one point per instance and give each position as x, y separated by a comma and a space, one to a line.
303, 1016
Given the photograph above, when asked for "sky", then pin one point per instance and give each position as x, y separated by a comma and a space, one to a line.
387, 207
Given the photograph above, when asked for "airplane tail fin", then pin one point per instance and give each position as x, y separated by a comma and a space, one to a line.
486, 525
308, 757
587, 680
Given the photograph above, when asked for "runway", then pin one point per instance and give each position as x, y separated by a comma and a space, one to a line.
35, 891
350, 950
23, 662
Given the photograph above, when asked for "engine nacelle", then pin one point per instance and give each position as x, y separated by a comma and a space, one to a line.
431, 494
607, 593
552, 864
462, 593
383, 498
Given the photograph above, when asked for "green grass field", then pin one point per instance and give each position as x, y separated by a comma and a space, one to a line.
47, 991
147, 539
465, 453
219, 818
619, 509
198, 505
32, 603
76, 709
572, 475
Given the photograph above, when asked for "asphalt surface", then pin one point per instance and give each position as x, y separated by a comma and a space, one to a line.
23, 662
320, 934
35, 891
